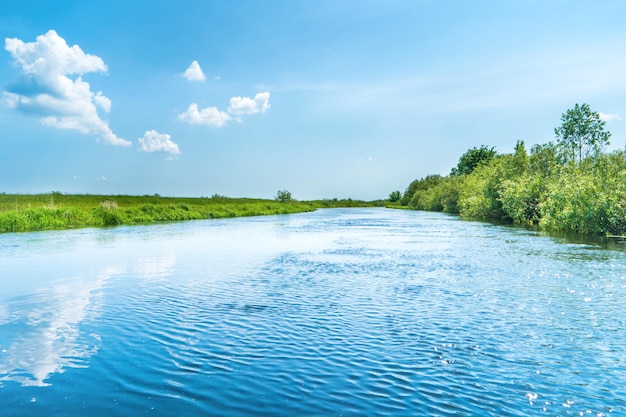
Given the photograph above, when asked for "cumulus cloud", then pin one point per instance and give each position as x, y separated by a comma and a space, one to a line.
103, 102
238, 106
609, 117
50, 86
153, 141
246, 105
194, 72
208, 116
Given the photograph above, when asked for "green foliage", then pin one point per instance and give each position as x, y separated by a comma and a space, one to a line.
437, 194
283, 196
521, 198
345, 203
581, 133
419, 185
579, 190
62, 211
395, 196
472, 159
481, 191
544, 160
589, 198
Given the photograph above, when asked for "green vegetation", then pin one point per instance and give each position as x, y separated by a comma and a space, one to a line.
283, 196
569, 186
22, 212
59, 211
395, 196
581, 133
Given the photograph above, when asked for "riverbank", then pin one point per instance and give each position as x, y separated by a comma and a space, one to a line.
537, 188
31, 212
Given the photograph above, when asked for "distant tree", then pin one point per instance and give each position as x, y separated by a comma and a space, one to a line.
471, 159
283, 196
581, 133
420, 184
395, 196
544, 160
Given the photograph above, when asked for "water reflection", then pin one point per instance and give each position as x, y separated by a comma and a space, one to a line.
42, 330
355, 312
155, 268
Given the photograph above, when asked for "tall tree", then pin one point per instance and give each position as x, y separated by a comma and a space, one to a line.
395, 196
471, 159
581, 133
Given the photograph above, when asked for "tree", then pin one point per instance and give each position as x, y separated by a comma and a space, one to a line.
417, 185
283, 196
471, 159
581, 133
395, 196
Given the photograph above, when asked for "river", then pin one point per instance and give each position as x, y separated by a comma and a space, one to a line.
345, 312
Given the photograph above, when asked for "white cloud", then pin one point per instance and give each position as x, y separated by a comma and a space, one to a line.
45, 90
153, 141
103, 102
208, 116
609, 117
246, 105
194, 72
237, 107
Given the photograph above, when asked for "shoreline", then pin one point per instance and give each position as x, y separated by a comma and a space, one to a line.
57, 211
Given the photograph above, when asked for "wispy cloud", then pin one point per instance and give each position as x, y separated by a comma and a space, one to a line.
50, 86
608, 117
238, 106
194, 72
153, 141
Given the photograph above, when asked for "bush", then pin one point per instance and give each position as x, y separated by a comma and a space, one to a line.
283, 196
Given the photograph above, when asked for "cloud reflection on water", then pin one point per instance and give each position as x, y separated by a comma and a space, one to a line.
43, 334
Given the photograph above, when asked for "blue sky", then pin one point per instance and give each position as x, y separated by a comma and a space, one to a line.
324, 98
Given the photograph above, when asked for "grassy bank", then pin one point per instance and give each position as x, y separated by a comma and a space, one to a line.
25, 212
59, 211
571, 186
587, 198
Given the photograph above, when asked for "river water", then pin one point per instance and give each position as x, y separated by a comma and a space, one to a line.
371, 312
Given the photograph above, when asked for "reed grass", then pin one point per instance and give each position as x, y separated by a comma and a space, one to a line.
25, 212
29, 212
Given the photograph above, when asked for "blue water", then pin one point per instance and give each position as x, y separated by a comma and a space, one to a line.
337, 312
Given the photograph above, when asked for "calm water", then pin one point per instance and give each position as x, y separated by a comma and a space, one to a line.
337, 312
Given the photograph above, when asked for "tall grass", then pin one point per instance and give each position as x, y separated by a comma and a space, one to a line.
22, 212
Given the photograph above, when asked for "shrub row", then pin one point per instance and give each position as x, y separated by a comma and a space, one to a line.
586, 197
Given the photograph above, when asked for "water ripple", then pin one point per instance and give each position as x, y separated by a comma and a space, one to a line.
348, 312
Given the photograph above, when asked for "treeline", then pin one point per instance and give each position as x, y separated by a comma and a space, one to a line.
570, 185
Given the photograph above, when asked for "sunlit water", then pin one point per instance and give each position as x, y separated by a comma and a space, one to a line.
337, 312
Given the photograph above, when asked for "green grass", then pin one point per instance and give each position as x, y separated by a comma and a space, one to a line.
27, 212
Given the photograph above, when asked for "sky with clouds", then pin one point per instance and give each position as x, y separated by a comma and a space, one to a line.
324, 98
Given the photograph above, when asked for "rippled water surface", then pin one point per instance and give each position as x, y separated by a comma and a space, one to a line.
336, 312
